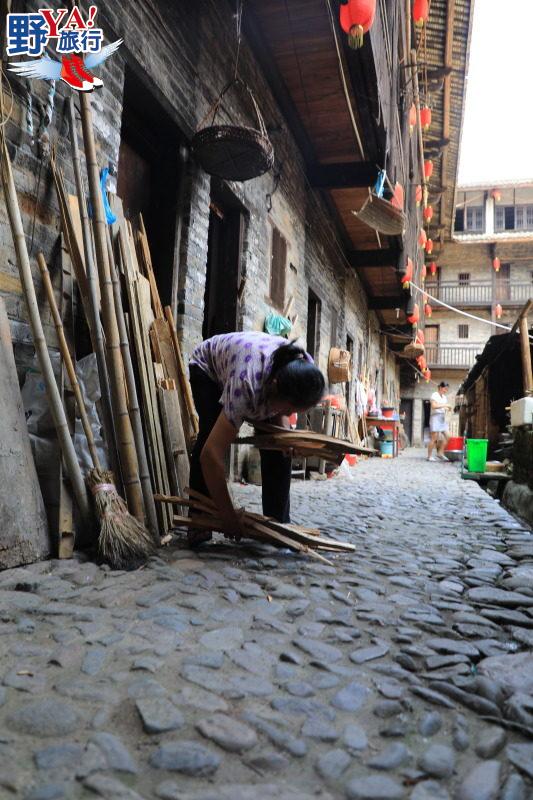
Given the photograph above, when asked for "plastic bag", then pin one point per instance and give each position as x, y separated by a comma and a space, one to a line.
276, 325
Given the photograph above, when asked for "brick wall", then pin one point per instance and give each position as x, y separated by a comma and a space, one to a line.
183, 54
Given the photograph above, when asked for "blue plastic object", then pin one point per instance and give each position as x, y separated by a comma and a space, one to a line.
276, 325
380, 183
110, 217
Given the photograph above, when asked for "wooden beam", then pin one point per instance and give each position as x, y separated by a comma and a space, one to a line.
342, 176
385, 303
387, 257
446, 103
267, 62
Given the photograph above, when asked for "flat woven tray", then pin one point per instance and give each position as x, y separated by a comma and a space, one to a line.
233, 153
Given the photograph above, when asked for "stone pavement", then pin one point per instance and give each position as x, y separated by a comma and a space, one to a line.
242, 673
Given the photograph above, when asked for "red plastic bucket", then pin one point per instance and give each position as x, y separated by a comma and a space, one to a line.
388, 413
455, 443
351, 458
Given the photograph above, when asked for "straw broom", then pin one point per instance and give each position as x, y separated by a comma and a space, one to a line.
123, 540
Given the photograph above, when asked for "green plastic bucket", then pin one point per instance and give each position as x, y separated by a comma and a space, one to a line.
476, 454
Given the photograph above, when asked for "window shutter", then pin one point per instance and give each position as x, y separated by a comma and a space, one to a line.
463, 331
277, 269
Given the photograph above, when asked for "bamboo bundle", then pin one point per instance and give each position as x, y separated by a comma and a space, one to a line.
265, 529
123, 540
303, 443
125, 441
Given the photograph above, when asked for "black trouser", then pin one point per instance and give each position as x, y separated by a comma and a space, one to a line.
275, 467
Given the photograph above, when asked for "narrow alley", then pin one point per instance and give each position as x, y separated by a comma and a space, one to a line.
238, 672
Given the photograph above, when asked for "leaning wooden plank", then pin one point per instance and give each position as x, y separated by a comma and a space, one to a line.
141, 292
146, 260
65, 547
175, 444
142, 296
183, 379
131, 277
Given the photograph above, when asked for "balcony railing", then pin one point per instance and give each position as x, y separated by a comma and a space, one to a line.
455, 356
480, 293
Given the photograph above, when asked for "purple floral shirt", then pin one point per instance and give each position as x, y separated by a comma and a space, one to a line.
240, 364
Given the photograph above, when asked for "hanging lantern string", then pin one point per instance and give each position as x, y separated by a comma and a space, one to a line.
239, 37
463, 313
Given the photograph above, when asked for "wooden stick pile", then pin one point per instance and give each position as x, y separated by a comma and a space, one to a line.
303, 443
264, 529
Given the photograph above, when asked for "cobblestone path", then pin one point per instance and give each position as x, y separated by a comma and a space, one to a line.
242, 673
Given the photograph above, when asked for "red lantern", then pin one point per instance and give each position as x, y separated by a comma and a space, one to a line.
415, 316
428, 213
418, 195
496, 195
428, 311
429, 246
433, 267
398, 198
428, 168
357, 17
420, 12
427, 375
498, 310
425, 117
422, 238
420, 337
412, 118
407, 277
423, 273
496, 264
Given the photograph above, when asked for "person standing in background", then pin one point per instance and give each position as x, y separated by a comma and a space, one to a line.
438, 425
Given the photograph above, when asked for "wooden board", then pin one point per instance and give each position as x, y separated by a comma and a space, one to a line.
174, 438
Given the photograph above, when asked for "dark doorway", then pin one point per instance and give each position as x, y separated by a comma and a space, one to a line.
148, 175
348, 384
224, 255
406, 407
313, 324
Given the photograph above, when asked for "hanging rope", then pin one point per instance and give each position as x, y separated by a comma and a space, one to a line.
458, 311
239, 37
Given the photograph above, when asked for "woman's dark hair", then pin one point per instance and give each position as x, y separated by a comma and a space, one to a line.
298, 380
443, 385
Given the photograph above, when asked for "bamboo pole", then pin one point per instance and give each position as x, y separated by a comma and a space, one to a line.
525, 349
125, 443
416, 92
26, 279
65, 353
95, 324
133, 400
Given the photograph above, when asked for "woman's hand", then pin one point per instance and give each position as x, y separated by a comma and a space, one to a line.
234, 527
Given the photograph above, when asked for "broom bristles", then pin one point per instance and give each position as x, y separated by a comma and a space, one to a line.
123, 542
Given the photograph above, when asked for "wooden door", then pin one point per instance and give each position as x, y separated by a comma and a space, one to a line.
431, 333
406, 407
502, 283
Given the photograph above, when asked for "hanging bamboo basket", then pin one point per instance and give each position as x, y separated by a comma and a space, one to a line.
414, 350
382, 215
232, 152
339, 366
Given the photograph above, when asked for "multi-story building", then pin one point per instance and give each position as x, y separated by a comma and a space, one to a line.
485, 271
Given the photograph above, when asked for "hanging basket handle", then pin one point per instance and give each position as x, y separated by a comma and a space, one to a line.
216, 105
